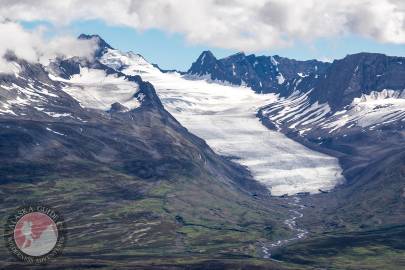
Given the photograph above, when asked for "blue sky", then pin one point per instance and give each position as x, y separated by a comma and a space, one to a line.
171, 51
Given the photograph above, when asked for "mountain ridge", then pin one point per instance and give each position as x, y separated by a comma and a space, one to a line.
263, 74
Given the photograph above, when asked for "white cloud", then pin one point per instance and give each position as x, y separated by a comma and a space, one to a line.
34, 47
234, 24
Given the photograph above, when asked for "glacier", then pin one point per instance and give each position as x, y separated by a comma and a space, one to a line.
225, 117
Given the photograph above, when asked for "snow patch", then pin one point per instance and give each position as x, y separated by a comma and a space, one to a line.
280, 78
273, 61
53, 131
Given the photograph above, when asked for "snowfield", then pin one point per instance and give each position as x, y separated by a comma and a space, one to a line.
225, 116
97, 90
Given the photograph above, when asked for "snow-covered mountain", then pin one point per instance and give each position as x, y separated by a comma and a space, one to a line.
315, 100
30, 93
361, 92
75, 111
225, 116
79, 90
66, 88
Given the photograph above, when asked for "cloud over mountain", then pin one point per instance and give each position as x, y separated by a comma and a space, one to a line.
233, 24
34, 47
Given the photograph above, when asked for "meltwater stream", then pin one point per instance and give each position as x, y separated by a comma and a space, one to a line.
291, 222
225, 117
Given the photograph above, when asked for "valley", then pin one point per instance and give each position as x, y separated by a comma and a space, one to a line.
225, 117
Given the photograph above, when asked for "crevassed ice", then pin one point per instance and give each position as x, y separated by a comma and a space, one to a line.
225, 116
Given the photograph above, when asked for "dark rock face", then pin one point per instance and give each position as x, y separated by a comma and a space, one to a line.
205, 64
118, 107
353, 76
359, 74
262, 73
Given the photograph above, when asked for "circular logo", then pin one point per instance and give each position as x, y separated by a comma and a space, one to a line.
35, 233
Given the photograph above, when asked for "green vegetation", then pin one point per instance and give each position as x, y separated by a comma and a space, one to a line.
377, 249
115, 215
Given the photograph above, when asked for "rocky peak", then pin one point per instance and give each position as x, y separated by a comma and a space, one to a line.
206, 64
103, 46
